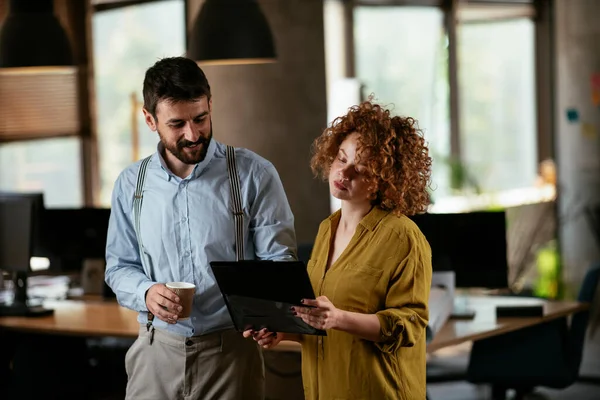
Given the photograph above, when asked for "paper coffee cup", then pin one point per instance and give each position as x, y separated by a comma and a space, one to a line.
186, 292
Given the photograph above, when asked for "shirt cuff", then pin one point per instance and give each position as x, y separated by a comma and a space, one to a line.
398, 329
142, 289
390, 331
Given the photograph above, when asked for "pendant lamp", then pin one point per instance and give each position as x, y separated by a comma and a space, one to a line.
31, 36
231, 32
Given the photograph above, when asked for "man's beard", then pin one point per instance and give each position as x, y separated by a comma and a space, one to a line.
186, 157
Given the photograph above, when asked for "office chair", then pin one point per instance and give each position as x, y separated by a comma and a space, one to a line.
548, 354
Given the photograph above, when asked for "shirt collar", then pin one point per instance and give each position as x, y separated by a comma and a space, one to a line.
373, 218
198, 168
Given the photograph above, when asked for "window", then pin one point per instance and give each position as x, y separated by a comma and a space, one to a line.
402, 59
51, 166
126, 42
497, 104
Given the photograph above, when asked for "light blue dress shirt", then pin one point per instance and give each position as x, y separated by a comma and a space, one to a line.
187, 223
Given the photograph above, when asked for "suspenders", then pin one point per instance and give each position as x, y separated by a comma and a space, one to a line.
236, 208
137, 202
236, 200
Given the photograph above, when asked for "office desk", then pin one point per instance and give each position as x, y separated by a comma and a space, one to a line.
89, 318
97, 318
94, 318
485, 324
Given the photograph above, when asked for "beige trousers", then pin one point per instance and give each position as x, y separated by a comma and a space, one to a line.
220, 366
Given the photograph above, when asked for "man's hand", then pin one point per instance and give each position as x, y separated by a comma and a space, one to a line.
163, 303
265, 338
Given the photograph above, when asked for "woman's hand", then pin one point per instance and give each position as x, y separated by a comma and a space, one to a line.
321, 314
266, 339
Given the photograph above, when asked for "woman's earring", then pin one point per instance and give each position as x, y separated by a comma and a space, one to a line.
374, 195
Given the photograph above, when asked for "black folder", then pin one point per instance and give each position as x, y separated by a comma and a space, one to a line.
259, 294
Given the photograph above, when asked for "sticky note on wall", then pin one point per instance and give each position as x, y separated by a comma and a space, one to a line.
588, 131
572, 115
595, 80
596, 97
595, 88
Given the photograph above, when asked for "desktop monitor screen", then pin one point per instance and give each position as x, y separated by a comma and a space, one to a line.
20, 229
473, 245
15, 235
72, 235
20, 222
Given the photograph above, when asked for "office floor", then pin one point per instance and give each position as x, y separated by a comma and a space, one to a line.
455, 359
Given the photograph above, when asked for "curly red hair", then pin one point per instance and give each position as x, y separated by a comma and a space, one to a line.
394, 151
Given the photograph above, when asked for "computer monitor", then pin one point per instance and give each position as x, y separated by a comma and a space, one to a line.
20, 218
70, 236
473, 245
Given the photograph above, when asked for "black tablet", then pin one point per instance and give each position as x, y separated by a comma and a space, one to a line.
259, 294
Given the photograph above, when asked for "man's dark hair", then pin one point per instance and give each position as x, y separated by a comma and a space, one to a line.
174, 79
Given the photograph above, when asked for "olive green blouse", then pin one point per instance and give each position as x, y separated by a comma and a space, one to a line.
384, 270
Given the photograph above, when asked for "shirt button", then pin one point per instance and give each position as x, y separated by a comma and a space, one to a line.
183, 219
412, 318
189, 342
186, 254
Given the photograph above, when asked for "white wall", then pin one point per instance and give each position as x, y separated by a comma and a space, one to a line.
577, 37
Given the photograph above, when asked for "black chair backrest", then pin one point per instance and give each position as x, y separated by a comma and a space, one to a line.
579, 323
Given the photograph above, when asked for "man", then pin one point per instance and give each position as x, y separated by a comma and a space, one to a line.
185, 222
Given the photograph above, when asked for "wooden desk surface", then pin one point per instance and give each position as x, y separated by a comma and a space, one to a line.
79, 318
485, 324
107, 318
90, 318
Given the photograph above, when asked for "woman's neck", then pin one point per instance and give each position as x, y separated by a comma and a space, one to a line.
352, 214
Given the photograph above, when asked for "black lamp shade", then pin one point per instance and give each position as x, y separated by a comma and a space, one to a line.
32, 36
231, 31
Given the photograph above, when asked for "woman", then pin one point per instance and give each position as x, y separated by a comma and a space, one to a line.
370, 266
